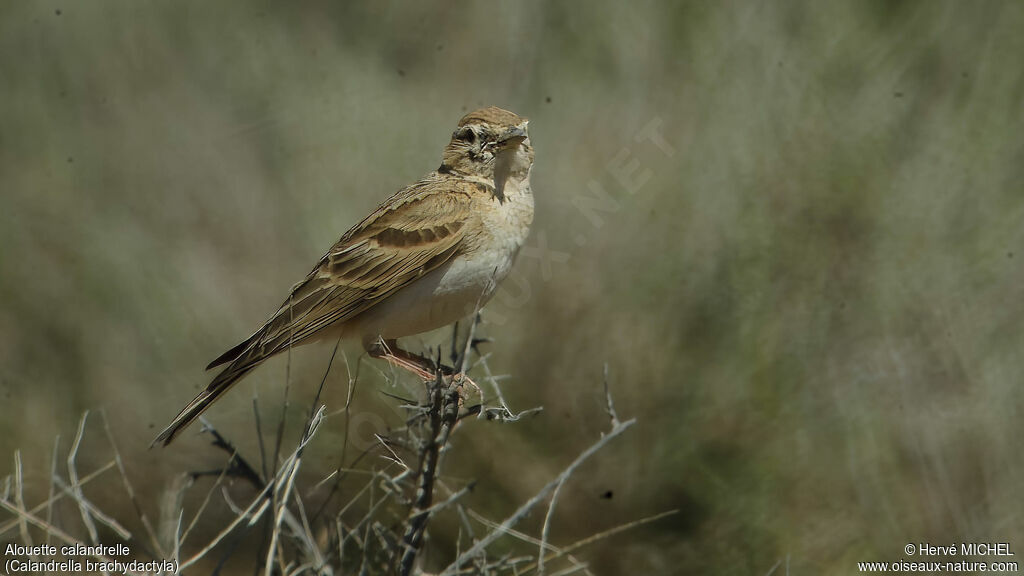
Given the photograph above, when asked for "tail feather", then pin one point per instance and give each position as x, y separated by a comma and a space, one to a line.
235, 352
220, 384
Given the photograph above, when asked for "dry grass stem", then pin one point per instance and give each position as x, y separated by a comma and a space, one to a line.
392, 499
76, 487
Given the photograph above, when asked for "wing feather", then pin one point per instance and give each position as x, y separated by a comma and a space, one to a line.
413, 232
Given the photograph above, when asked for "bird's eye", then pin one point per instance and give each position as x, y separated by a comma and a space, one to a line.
466, 135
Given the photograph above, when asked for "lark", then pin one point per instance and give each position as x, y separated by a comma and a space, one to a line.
429, 255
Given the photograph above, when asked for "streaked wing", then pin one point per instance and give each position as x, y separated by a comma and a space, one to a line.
410, 234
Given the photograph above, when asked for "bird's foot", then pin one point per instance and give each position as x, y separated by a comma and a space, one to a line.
423, 367
461, 378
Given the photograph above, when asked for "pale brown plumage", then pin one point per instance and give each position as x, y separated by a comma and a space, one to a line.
428, 242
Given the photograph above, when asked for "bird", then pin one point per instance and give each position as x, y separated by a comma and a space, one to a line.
429, 255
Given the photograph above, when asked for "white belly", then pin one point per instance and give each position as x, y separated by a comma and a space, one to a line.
439, 298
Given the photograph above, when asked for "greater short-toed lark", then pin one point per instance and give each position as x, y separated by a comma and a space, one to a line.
428, 256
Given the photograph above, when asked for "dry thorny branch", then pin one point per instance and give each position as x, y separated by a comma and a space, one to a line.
381, 528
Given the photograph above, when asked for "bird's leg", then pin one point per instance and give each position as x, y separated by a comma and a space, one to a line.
389, 350
415, 363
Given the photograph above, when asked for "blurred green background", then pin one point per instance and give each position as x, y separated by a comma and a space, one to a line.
813, 307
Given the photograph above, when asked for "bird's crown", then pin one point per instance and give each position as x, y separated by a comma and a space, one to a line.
492, 115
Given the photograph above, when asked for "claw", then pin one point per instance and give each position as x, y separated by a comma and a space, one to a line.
461, 378
420, 366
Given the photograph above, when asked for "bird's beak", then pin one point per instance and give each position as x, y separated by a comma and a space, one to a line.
512, 137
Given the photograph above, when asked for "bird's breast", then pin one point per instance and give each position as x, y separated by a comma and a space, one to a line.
455, 289
505, 228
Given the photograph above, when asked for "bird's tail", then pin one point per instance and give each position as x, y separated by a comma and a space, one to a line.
220, 384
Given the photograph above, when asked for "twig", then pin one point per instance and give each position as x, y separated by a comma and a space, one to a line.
352, 381
547, 526
464, 357
284, 407
340, 527
369, 514
178, 538
171, 513
609, 405
19, 499
323, 381
571, 570
777, 564
287, 384
452, 499
443, 414
56, 498
525, 508
287, 477
94, 511
605, 534
511, 531
237, 466
128, 487
259, 435
247, 514
493, 379
367, 488
53, 486
50, 528
202, 507
76, 488
306, 534
366, 535
394, 455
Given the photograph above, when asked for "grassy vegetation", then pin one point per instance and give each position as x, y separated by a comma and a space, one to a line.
811, 302
373, 514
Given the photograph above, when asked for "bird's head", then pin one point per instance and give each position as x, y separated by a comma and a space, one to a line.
489, 141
